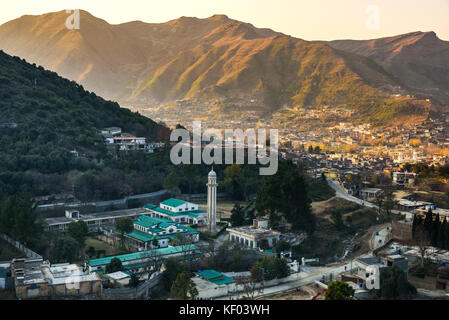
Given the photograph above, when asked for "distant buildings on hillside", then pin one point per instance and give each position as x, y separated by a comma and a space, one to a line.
119, 141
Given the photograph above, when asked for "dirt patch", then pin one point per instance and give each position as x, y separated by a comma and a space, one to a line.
427, 282
302, 293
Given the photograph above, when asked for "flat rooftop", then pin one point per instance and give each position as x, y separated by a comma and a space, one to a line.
255, 232
99, 216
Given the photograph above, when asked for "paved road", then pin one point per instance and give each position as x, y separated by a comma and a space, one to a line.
341, 193
303, 278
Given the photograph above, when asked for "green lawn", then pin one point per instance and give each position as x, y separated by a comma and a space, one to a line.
110, 250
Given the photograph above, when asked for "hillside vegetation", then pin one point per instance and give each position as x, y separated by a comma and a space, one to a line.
44, 117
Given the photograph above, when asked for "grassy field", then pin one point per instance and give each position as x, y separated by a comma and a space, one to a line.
8, 252
223, 207
110, 250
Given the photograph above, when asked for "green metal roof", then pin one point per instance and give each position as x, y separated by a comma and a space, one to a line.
146, 237
139, 235
172, 202
193, 213
149, 206
141, 255
210, 274
215, 277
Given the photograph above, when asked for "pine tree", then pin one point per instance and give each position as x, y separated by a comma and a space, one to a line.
442, 235
428, 220
414, 224
435, 230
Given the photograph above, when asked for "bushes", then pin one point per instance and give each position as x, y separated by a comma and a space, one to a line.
274, 267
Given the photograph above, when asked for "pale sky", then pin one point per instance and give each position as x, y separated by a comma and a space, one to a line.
306, 19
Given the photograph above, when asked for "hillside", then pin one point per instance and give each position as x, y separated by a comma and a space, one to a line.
419, 59
43, 117
205, 61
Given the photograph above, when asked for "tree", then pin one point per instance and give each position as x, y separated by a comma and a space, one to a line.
78, 230
237, 216
274, 267
285, 195
337, 219
283, 246
422, 240
18, 219
183, 288
296, 203
124, 225
339, 290
173, 267
434, 230
428, 221
91, 252
255, 278
233, 181
134, 281
171, 182
389, 204
114, 265
393, 284
443, 235
65, 249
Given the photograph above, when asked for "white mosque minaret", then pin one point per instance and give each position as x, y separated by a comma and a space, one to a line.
212, 201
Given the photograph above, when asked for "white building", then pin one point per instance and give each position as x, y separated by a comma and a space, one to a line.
404, 178
255, 236
179, 211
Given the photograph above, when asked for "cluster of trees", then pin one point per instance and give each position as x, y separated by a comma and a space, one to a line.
273, 268
385, 203
69, 245
339, 290
183, 288
284, 196
430, 230
19, 220
425, 170
242, 216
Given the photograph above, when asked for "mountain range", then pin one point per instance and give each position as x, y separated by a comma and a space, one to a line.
221, 59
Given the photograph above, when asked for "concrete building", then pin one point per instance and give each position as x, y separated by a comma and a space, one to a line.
94, 220
212, 284
410, 205
140, 262
178, 211
370, 193
212, 201
119, 277
111, 131
256, 236
364, 267
38, 279
406, 179
146, 229
443, 213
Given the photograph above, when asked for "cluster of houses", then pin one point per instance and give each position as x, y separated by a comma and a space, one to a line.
124, 142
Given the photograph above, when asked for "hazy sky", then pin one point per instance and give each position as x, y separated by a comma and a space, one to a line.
306, 19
